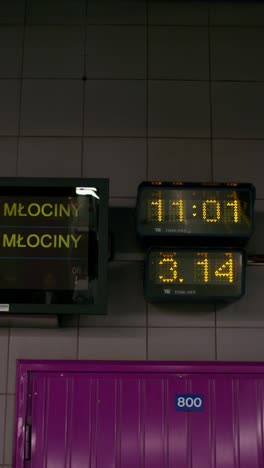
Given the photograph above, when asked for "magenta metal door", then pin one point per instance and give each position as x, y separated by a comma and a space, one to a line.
123, 418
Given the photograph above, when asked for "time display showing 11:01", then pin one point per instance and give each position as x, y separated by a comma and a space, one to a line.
194, 210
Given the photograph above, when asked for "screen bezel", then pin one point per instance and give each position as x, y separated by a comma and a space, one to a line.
198, 186
191, 298
100, 307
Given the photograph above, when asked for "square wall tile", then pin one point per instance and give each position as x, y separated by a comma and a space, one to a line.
240, 161
236, 53
12, 12
180, 12
51, 108
126, 305
55, 11
237, 110
122, 226
178, 53
179, 159
116, 52
115, 343
49, 157
238, 13
116, 12
2, 426
8, 156
9, 429
122, 160
240, 344
11, 43
248, 311
179, 109
9, 98
115, 108
256, 243
54, 52
39, 344
181, 314
181, 344
3, 358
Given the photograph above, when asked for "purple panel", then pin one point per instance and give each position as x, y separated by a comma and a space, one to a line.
154, 392
38, 418
226, 446
105, 425
130, 423
201, 426
81, 421
177, 424
246, 423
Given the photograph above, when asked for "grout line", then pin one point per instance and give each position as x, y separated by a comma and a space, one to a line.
138, 137
125, 25
21, 89
154, 79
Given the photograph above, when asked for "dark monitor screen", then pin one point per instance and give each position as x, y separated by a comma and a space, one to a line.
53, 244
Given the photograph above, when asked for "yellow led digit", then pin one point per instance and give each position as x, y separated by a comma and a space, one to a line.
235, 206
168, 272
179, 204
226, 270
204, 263
159, 209
211, 211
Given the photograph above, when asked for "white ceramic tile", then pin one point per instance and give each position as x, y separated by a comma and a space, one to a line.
116, 12
181, 344
54, 52
116, 52
9, 429
112, 343
256, 243
115, 108
179, 109
126, 305
55, 11
239, 13
240, 161
179, 159
2, 426
122, 160
9, 98
237, 110
12, 11
3, 358
181, 314
8, 154
11, 42
51, 108
180, 12
240, 344
39, 344
49, 157
236, 53
178, 53
248, 311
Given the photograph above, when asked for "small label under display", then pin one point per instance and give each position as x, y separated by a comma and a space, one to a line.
4, 307
176, 274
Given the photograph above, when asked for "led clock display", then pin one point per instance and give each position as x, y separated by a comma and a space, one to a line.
210, 210
176, 274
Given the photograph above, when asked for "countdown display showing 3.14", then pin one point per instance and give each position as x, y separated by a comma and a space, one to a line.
218, 210
173, 274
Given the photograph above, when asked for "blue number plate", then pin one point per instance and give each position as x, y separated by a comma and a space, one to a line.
189, 402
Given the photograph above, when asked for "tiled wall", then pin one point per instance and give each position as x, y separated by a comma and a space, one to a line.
131, 91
